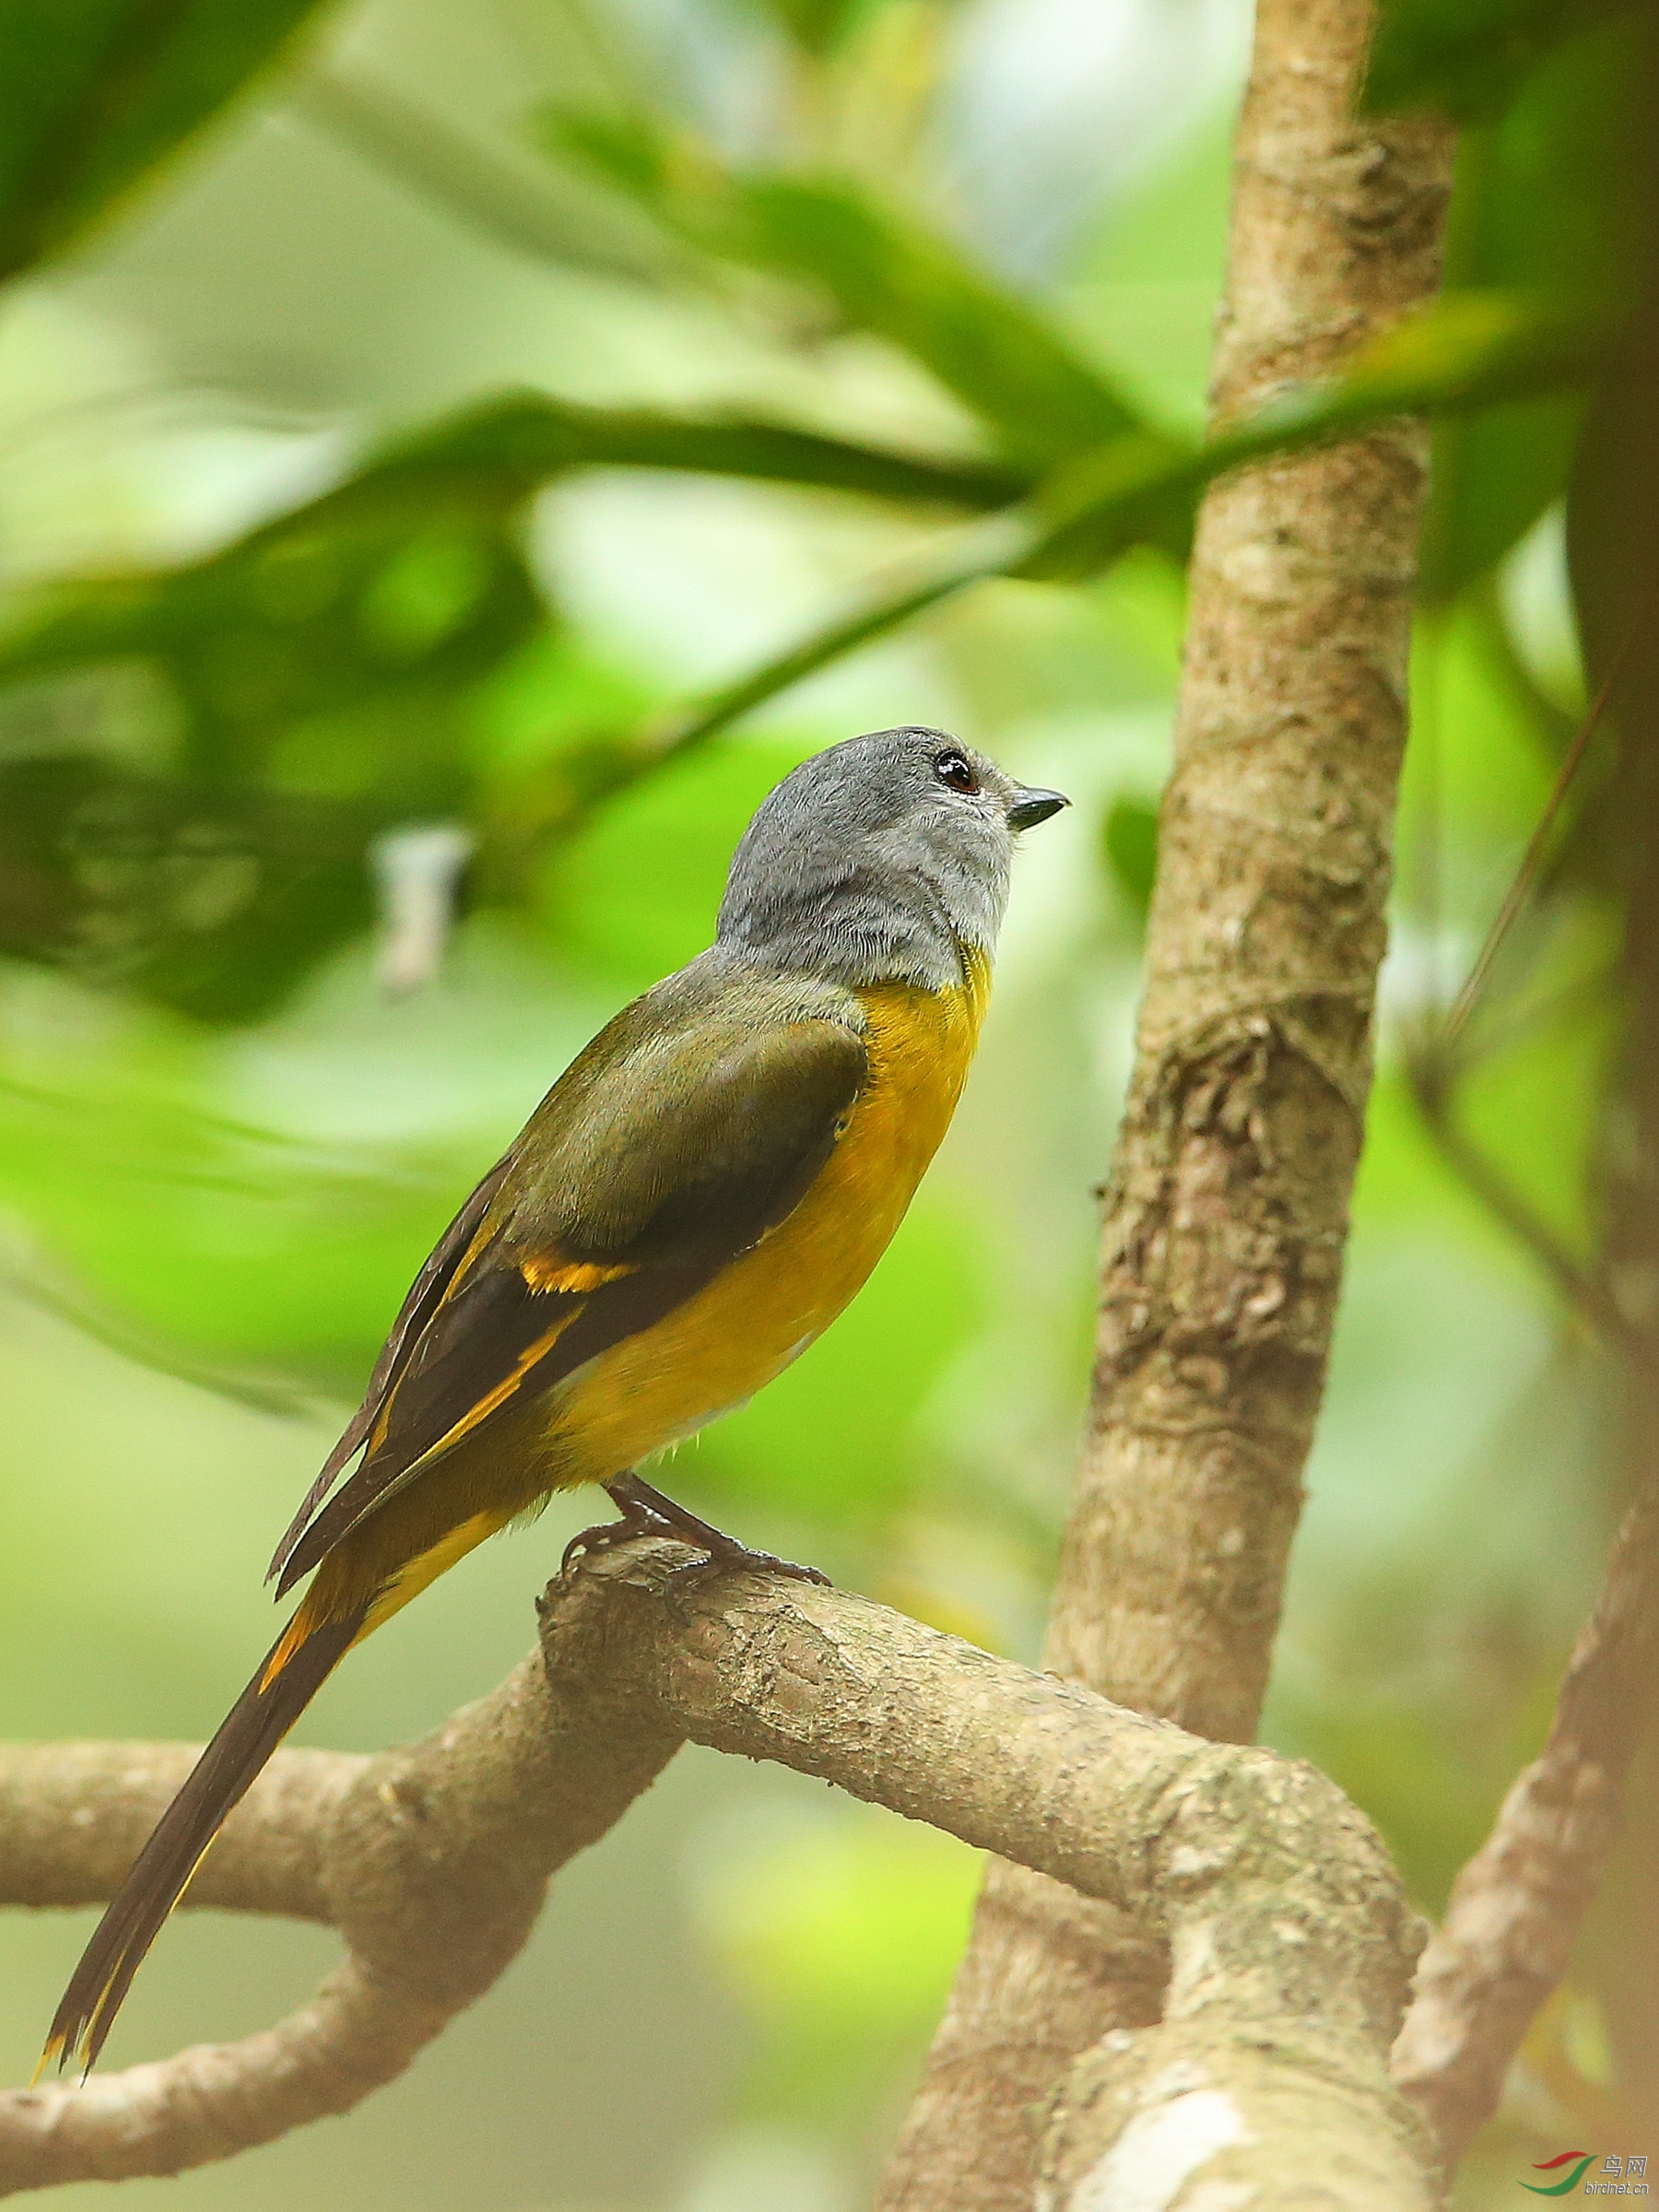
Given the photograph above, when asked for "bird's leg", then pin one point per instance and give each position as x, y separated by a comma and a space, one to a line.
639, 1519
645, 1508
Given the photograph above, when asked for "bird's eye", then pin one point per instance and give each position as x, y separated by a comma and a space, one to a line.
953, 769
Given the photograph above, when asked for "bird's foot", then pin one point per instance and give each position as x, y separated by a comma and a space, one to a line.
607, 1535
647, 1511
729, 1557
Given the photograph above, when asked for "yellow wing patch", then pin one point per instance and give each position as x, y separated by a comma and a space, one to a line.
503, 1389
548, 1272
483, 1407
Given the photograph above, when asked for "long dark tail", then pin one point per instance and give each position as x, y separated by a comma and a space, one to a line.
293, 1672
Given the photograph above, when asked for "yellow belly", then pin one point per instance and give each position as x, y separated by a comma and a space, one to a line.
704, 1357
745, 1326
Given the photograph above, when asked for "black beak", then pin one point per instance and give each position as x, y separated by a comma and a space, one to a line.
1033, 807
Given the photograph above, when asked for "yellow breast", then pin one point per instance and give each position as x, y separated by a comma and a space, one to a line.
745, 1326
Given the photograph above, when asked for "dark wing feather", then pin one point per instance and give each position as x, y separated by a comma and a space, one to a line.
637, 1181
418, 1309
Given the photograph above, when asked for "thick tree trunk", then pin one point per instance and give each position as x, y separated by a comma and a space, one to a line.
1228, 1208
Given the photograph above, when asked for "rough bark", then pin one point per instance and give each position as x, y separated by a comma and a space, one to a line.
1291, 1942
1228, 1208
1227, 1205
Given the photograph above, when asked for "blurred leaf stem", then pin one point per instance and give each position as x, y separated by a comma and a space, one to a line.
539, 213
1140, 488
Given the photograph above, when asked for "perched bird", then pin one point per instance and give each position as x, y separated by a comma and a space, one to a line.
693, 1202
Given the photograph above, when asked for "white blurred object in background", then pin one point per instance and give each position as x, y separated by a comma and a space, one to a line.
418, 870
1055, 105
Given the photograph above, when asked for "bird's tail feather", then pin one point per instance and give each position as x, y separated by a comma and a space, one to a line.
290, 1676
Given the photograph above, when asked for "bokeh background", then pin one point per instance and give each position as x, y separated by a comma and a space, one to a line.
226, 1142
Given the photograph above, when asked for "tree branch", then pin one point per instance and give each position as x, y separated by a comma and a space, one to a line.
1432, 1073
431, 1861
1291, 1941
74, 1817
1516, 1909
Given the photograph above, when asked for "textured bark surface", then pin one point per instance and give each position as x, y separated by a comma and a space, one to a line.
1291, 1942
1227, 1205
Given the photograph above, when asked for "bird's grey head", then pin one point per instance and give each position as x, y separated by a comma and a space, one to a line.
880, 860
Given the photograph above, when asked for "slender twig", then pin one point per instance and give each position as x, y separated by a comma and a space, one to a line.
1432, 1065
1517, 1907
1532, 860
527, 208
1432, 1087
1581, 993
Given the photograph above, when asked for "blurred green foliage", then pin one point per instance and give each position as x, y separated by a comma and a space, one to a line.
312, 684
88, 110
895, 277
1474, 58
583, 546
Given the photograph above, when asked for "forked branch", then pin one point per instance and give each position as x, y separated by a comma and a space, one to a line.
1290, 1941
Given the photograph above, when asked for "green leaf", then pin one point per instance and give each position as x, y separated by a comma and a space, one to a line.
95, 92
475, 467
1491, 476
317, 680
498, 454
408, 574
1470, 56
885, 274
324, 665
312, 687
1462, 355
209, 901
299, 625
1469, 350
1544, 201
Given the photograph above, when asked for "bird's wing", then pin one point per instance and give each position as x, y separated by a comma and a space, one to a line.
650, 1167
418, 1309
